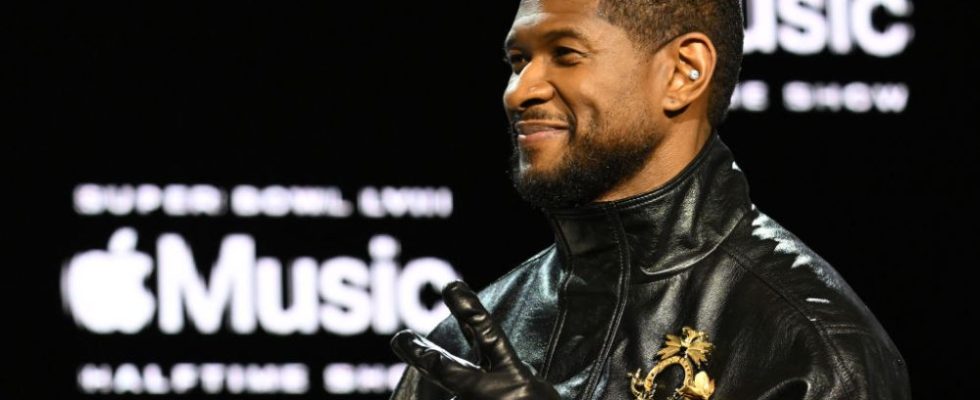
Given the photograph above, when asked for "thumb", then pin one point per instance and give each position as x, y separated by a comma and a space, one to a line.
435, 363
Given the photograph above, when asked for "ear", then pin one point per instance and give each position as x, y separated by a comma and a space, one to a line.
689, 52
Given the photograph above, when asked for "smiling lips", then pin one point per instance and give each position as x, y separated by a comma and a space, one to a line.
532, 131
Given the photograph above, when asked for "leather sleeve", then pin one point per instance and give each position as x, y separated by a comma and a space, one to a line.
853, 365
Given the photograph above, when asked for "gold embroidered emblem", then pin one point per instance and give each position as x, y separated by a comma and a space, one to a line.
688, 352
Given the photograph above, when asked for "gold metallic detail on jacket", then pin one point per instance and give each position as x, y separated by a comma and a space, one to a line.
689, 351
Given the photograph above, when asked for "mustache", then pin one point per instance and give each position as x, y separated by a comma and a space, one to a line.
540, 114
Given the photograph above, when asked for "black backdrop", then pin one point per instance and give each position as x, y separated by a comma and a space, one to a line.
408, 95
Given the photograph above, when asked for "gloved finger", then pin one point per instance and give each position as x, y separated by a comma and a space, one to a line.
435, 363
490, 340
475, 346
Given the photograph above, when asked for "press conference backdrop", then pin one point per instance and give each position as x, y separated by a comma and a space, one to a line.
254, 196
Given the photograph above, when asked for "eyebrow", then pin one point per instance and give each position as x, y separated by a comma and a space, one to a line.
551, 36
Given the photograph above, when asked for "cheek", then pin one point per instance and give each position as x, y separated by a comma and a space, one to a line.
588, 101
630, 96
601, 95
610, 103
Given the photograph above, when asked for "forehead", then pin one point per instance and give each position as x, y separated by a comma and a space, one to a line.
528, 7
538, 16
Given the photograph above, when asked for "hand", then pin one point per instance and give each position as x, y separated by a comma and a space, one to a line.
500, 376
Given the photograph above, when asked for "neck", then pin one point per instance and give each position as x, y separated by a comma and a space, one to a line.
669, 157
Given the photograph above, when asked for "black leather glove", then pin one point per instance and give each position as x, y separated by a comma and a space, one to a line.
500, 375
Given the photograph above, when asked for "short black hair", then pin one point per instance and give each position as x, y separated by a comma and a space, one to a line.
651, 23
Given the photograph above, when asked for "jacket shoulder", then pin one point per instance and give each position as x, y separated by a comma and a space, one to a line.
861, 357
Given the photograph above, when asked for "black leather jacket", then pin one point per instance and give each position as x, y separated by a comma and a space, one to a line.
596, 306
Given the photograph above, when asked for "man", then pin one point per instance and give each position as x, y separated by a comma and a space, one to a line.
664, 280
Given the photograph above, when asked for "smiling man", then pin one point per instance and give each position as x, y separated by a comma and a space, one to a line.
664, 280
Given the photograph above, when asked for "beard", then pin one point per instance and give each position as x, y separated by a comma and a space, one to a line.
593, 163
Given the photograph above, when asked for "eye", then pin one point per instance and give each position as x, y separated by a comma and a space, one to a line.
567, 56
515, 60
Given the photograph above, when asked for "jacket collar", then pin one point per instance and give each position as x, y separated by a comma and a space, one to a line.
661, 232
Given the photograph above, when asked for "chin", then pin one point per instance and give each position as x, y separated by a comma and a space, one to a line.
536, 170
540, 162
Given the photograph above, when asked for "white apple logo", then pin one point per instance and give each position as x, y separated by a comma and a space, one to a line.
105, 291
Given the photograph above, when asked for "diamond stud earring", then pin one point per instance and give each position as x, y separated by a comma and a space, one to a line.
695, 74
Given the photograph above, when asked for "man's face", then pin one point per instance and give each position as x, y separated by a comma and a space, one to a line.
580, 103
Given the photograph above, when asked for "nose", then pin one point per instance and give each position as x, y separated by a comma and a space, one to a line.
528, 88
